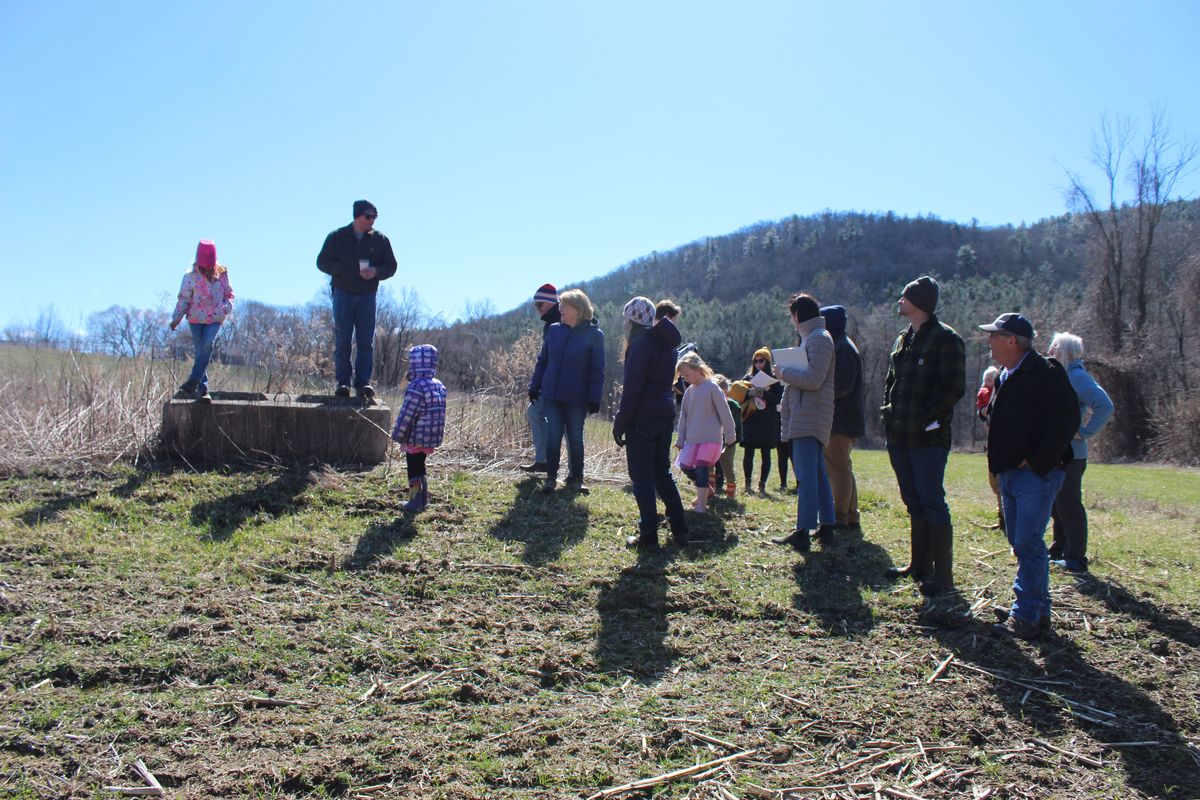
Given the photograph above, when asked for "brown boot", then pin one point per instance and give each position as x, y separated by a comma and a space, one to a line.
941, 549
920, 564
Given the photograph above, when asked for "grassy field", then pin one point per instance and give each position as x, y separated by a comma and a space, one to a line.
282, 634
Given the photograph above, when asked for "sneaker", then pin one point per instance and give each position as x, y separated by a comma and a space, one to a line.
342, 391
1018, 628
536, 466
1002, 615
188, 389
549, 485
577, 487
824, 534
366, 391
1071, 565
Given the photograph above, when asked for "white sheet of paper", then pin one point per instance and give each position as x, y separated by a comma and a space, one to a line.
762, 380
790, 357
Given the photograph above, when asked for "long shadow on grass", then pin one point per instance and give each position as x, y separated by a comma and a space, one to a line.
1123, 711
547, 524
1121, 600
633, 609
51, 508
380, 539
831, 578
224, 516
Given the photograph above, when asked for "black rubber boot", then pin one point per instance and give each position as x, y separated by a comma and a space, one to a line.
941, 551
920, 564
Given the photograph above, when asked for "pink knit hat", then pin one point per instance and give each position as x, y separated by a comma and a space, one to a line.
206, 254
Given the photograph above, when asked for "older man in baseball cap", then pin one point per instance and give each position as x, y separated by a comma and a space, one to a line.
1034, 414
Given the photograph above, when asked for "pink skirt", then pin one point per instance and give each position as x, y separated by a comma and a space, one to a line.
701, 454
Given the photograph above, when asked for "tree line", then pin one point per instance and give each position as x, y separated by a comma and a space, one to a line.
1121, 268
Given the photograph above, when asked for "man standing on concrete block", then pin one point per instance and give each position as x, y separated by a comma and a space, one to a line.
926, 376
545, 302
1034, 414
357, 257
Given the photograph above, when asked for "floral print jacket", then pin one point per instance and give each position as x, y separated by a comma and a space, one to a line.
204, 301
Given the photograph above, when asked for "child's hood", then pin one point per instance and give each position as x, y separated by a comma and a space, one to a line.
422, 361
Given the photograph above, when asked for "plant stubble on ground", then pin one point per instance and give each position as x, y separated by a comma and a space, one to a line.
292, 634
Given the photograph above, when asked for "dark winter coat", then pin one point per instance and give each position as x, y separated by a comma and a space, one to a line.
761, 429
343, 250
848, 417
1034, 415
570, 368
927, 374
649, 369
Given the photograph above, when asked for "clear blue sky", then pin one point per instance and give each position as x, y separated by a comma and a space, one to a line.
510, 143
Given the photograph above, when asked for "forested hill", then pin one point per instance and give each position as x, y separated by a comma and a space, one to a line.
857, 258
733, 290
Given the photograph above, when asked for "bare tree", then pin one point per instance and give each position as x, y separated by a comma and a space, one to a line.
397, 316
1125, 230
1133, 278
130, 332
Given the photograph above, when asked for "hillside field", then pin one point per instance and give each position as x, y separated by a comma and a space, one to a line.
291, 634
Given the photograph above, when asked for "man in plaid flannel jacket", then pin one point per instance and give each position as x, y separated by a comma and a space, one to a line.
926, 377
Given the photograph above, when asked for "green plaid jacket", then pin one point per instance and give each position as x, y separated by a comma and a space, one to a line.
927, 374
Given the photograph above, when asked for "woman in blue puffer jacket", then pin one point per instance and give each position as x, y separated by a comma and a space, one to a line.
569, 377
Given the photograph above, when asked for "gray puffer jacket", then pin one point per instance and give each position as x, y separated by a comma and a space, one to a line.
807, 406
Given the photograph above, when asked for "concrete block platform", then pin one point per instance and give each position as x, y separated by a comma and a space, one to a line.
232, 427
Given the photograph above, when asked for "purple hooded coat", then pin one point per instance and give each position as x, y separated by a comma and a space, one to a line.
422, 418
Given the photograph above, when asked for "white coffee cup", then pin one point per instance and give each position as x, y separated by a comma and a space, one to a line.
363, 265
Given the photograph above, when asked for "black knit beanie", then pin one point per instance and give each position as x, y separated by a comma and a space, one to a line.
922, 293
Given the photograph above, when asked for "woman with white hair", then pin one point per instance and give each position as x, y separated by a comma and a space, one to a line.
1069, 548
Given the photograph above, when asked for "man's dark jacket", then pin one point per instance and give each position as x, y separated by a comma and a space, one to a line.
1034, 414
649, 372
343, 250
848, 419
549, 318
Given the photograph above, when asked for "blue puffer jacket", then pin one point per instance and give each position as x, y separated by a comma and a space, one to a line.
649, 374
570, 368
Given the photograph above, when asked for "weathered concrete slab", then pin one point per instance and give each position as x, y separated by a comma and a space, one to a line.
248, 426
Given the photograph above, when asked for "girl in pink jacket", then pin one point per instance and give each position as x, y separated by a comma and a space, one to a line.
206, 298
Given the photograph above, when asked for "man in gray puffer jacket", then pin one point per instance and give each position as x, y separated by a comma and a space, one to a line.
807, 418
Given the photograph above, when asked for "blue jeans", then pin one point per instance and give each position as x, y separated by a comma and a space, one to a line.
203, 336
814, 496
920, 473
564, 418
648, 455
1028, 499
353, 316
536, 414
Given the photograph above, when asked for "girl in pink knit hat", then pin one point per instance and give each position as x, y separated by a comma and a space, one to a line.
206, 298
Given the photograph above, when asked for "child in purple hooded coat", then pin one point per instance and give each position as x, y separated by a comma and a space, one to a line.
421, 422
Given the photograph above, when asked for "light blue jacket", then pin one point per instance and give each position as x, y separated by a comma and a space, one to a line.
1091, 398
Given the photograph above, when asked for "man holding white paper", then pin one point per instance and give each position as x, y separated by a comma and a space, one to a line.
926, 377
